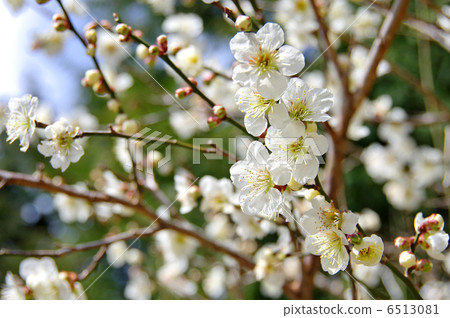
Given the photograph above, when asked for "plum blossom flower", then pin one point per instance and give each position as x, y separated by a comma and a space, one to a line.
13, 289
253, 177
433, 239
255, 108
263, 61
302, 103
20, 124
330, 245
61, 145
218, 195
41, 281
296, 147
187, 192
139, 286
71, 209
324, 216
369, 251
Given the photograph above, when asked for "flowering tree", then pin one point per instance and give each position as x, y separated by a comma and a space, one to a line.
286, 139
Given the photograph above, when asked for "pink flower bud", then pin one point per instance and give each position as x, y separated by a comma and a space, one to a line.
402, 243
424, 265
124, 32
220, 112
207, 79
42, 1
355, 238
213, 122
60, 22
243, 23
180, 93
92, 77
407, 259
91, 36
153, 50
100, 88
90, 49
162, 44
193, 81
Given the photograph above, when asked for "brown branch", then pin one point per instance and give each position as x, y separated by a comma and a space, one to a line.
94, 59
103, 243
14, 178
93, 265
379, 48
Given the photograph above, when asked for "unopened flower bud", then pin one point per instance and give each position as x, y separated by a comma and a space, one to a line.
124, 32
153, 50
91, 36
207, 79
153, 157
42, 1
220, 112
407, 259
213, 122
106, 24
355, 238
424, 265
243, 23
90, 49
162, 43
138, 33
113, 105
60, 22
120, 119
180, 93
130, 126
402, 243
193, 81
142, 52
92, 77
100, 87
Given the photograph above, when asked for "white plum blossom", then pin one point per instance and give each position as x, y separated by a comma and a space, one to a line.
4, 115
296, 148
219, 228
269, 270
331, 246
71, 209
21, 122
176, 248
61, 145
434, 240
263, 62
115, 254
369, 251
302, 103
44, 282
252, 176
187, 192
214, 284
218, 195
187, 24
324, 217
13, 289
255, 108
139, 286
190, 60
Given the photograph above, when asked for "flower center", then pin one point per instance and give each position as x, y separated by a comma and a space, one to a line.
264, 61
260, 181
368, 253
329, 245
259, 106
299, 110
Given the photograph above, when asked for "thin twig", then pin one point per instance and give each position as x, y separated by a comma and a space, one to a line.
94, 59
93, 265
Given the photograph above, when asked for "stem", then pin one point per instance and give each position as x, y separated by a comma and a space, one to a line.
94, 59
93, 265
404, 279
183, 76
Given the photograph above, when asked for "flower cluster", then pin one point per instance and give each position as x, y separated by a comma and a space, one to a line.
328, 232
40, 279
430, 236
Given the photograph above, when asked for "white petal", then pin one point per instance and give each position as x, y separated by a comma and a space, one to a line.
349, 221
255, 125
242, 74
279, 116
281, 172
244, 46
270, 36
271, 84
305, 170
290, 60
